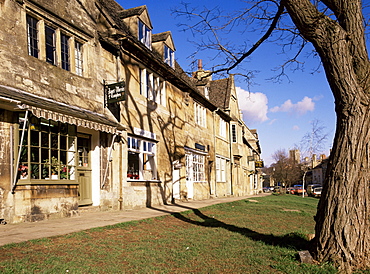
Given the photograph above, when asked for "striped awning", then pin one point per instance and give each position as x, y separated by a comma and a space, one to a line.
50, 109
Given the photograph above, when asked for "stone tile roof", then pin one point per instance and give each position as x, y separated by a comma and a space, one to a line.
132, 12
160, 36
219, 93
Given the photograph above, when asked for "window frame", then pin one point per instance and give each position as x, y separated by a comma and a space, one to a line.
32, 36
144, 34
50, 45
200, 115
152, 86
65, 51
79, 58
49, 151
145, 154
223, 128
195, 167
234, 133
169, 56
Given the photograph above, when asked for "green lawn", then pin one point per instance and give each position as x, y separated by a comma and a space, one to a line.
259, 235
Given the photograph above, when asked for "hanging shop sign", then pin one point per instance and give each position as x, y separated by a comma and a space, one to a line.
114, 92
259, 164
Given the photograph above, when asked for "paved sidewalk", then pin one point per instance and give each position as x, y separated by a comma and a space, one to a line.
15, 233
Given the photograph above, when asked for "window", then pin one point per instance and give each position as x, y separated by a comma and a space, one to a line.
78, 58
32, 37
141, 160
222, 128
145, 35
48, 151
200, 114
221, 164
195, 167
169, 56
60, 50
64, 43
50, 45
152, 87
233, 133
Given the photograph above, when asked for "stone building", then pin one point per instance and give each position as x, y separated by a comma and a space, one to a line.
96, 113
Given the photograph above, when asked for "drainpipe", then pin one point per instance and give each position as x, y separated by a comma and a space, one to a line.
214, 150
120, 200
231, 160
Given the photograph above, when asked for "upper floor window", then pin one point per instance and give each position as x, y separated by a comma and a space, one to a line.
152, 87
50, 45
233, 133
55, 47
200, 114
169, 56
78, 58
32, 37
64, 42
145, 35
222, 128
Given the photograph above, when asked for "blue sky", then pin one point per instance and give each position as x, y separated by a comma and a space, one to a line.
281, 112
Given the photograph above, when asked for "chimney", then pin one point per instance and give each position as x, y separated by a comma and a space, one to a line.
200, 64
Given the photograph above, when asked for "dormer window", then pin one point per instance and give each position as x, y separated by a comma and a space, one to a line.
169, 56
145, 35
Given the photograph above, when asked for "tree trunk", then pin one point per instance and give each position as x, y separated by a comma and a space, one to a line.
342, 220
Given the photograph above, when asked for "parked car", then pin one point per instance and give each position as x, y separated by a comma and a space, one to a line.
317, 191
290, 190
298, 190
310, 189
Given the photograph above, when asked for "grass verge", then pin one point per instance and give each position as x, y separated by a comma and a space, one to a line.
257, 235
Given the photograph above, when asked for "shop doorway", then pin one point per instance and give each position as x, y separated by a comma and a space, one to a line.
84, 169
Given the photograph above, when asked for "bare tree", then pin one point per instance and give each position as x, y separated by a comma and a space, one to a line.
313, 142
285, 170
336, 29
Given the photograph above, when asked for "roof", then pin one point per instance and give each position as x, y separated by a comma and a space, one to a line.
132, 12
219, 93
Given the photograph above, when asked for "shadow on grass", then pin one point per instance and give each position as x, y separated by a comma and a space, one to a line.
292, 240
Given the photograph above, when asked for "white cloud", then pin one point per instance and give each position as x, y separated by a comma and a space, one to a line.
296, 127
253, 105
300, 108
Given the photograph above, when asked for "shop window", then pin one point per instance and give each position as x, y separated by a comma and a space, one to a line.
48, 151
141, 159
195, 167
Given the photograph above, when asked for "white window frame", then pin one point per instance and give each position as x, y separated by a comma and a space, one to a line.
145, 34
223, 128
78, 58
169, 56
195, 167
146, 152
221, 169
200, 115
152, 87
